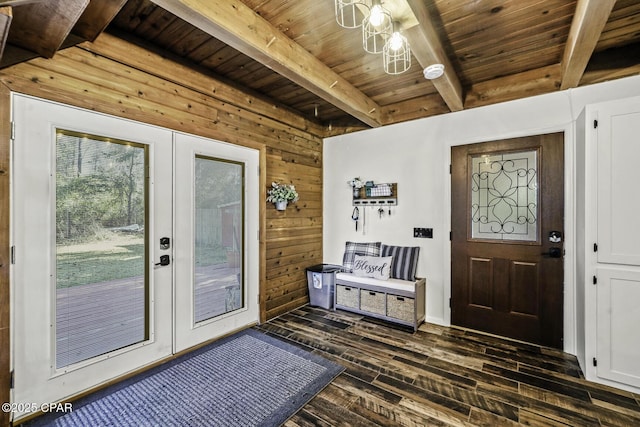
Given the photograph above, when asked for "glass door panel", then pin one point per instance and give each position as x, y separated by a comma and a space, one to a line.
216, 246
218, 237
101, 285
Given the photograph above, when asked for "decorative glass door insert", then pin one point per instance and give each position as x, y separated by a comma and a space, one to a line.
101, 263
504, 196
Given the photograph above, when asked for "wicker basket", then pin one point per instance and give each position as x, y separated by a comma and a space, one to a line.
347, 296
400, 308
371, 301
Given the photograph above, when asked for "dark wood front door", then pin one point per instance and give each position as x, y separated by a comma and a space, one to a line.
508, 238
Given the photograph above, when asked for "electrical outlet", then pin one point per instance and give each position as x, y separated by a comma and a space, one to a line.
426, 233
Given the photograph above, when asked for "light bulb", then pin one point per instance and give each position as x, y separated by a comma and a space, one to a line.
377, 15
395, 42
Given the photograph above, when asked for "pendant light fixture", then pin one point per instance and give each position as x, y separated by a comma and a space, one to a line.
380, 34
376, 28
396, 53
350, 13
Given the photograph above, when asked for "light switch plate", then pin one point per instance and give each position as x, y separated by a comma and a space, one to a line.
426, 233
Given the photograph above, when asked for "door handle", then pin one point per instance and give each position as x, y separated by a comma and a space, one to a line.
553, 253
164, 260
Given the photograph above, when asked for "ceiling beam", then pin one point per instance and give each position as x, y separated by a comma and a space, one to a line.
17, 2
237, 25
586, 27
96, 17
428, 49
92, 21
42, 27
6, 15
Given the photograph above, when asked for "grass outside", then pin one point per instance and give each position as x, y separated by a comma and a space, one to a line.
81, 266
118, 257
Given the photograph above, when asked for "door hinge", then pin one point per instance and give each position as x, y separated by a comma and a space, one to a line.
595, 362
449, 302
13, 130
12, 255
595, 124
11, 379
450, 235
595, 280
595, 247
450, 169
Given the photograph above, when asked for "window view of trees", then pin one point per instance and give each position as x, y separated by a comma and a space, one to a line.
218, 191
100, 246
100, 210
99, 186
102, 290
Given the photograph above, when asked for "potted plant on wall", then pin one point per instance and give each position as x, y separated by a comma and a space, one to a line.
281, 194
356, 184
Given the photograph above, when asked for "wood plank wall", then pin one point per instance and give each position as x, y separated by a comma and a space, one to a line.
115, 77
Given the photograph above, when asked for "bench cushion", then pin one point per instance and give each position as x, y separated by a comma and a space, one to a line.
391, 284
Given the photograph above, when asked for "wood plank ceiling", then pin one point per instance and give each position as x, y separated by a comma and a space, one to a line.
294, 55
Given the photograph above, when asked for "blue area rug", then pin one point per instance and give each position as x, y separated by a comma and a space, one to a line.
247, 379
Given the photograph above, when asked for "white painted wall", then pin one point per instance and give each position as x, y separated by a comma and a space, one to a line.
417, 154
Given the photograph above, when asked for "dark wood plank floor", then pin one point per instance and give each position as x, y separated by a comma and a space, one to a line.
442, 376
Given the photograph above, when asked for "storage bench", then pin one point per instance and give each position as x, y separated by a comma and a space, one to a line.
394, 300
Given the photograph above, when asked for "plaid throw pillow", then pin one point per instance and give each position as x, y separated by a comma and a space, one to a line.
405, 261
352, 249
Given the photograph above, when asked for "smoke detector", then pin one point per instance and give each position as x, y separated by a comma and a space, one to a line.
433, 71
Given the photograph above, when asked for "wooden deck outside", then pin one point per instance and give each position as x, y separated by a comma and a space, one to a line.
442, 376
98, 318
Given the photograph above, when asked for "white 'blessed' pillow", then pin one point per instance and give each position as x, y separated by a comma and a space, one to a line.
372, 266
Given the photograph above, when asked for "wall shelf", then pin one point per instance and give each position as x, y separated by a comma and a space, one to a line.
377, 195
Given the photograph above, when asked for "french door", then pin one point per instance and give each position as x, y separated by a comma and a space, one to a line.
216, 208
131, 243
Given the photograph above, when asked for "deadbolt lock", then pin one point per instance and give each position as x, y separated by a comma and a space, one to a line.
165, 243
